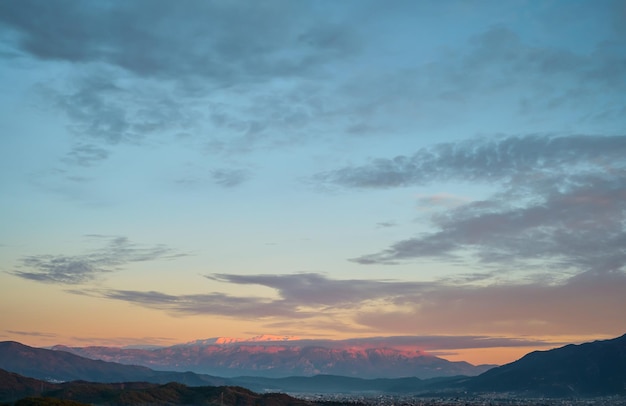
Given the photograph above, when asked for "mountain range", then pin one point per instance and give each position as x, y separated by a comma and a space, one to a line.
277, 357
592, 369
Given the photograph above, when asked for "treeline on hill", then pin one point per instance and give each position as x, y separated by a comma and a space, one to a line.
18, 390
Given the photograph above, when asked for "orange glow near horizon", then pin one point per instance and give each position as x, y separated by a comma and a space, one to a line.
79, 320
495, 356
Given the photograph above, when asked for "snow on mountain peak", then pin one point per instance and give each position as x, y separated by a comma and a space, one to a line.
255, 339
235, 340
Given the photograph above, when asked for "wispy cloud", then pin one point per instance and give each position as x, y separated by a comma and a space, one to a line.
39, 334
210, 303
401, 307
300, 296
127, 342
444, 342
86, 155
84, 268
230, 177
499, 159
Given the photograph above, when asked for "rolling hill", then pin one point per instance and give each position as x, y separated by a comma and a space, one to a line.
14, 387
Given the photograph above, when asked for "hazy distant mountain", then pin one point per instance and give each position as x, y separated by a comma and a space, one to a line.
285, 357
590, 369
63, 366
14, 387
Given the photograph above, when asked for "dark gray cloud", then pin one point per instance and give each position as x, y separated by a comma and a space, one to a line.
84, 268
225, 42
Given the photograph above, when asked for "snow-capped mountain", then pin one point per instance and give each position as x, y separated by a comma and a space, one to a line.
233, 340
281, 356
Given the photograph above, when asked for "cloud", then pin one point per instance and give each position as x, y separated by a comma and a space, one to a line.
84, 268
126, 342
230, 177
583, 303
580, 228
86, 155
484, 160
211, 303
104, 105
312, 289
444, 342
149, 67
32, 333
442, 200
300, 296
445, 307
558, 200
525, 82
223, 42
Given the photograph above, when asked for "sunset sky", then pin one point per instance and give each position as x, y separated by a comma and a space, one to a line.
178, 170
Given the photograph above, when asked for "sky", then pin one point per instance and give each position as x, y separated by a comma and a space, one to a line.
449, 170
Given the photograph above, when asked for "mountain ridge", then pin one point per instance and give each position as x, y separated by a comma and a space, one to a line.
62, 366
278, 359
588, 369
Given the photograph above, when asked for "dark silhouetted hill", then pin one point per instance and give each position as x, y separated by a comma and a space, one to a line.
31, 392
591, 369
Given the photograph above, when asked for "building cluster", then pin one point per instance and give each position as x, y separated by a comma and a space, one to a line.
482, 400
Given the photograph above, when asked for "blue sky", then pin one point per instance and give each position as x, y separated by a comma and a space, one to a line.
317, 168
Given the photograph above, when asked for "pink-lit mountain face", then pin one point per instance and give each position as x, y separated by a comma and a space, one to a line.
285, 357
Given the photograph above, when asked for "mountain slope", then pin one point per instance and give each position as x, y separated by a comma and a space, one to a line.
52, 365
283, 359
590, 369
